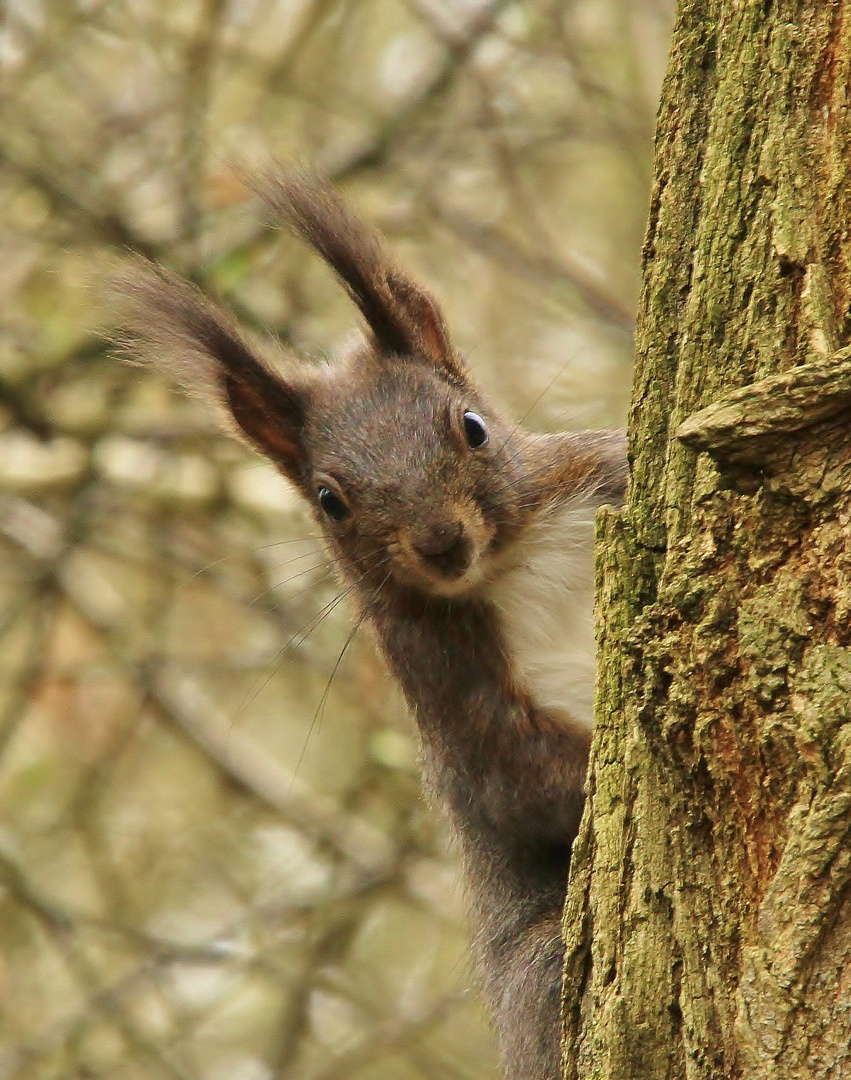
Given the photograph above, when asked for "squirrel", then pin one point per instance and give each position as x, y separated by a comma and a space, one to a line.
467, 545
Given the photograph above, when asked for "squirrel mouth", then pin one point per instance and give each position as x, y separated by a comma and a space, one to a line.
450, 564
452, 576
445, 557
447, 551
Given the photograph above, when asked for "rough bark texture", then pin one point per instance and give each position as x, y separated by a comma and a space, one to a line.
708, 923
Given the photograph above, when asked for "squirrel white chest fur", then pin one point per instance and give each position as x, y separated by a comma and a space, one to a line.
545, 603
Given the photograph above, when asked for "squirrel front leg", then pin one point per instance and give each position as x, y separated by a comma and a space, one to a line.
528, 1006
510, 777
520, 875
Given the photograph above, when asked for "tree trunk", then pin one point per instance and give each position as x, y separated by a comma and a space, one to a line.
708, 921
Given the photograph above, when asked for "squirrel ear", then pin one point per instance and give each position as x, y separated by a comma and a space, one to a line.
168, 323
430, 336
404, 319
269, 414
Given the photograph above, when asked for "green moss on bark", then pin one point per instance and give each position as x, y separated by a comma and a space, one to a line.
707, 924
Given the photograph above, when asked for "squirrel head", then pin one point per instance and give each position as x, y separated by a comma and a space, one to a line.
412, 476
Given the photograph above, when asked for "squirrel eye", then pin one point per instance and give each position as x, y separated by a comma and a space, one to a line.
475, 430
332, 505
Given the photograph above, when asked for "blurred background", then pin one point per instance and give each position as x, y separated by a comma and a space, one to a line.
215, 860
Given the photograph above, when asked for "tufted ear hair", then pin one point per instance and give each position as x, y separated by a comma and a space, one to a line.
167, 323
404, 319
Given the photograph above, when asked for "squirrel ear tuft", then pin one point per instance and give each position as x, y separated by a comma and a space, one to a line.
404, 319
431, 338
167, 323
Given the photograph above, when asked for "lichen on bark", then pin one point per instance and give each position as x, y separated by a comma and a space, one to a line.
708, 921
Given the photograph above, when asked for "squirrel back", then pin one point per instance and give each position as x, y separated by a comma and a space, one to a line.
467, 546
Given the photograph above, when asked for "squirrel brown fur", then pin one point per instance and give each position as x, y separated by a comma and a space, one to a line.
467, 544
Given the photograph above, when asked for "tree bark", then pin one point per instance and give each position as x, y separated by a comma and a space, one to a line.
708, 922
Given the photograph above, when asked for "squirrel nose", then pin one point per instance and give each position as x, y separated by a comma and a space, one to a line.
444, 547
439, 540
